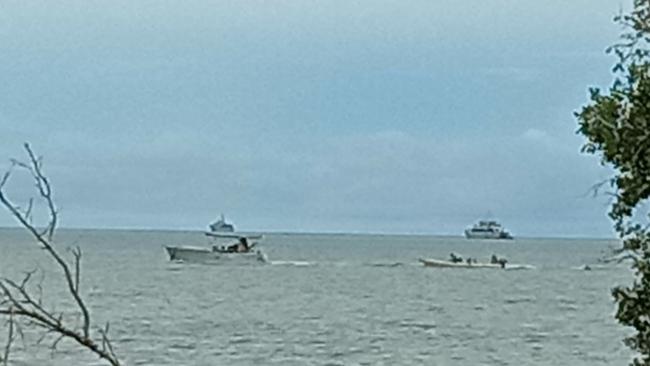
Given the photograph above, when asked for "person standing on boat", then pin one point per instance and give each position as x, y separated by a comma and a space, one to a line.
454, 258
242, 246
497, 260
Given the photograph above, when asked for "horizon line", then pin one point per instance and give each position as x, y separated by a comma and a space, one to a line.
308, 232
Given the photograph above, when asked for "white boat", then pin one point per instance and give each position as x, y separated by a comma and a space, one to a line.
221, 225
449, 264
437, 263
239, 252
487, 229
206, 255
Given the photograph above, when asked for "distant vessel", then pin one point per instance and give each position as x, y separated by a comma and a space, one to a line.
487, 229
222, 226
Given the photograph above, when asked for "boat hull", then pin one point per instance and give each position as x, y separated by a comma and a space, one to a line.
469, 234
223, 228
204, 255
447, 264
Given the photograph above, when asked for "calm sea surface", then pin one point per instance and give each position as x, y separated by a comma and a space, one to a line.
334, 300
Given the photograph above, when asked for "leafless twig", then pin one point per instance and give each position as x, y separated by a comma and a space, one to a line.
10, 340
16, 298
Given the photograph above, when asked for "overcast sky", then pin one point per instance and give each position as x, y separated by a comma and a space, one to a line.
334, 116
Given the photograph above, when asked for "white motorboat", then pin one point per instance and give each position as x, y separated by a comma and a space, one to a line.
214, 255
240, 252
449, 264
438, 263
487, 230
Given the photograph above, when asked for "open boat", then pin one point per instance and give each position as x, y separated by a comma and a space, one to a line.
449, 264
241, 252
206, 255
438, 263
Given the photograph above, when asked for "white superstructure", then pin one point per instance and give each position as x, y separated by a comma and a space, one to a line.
222, 226
487, 229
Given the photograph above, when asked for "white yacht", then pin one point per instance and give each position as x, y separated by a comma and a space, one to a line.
222, 226
487, 229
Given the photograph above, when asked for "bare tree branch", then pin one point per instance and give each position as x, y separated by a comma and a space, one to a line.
106, 342
28, 210
44, 188
10, 339
76, 251
26, 298
56, 342
5, 178
45, 239
16, 299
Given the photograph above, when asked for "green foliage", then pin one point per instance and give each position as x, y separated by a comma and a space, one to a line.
617, 127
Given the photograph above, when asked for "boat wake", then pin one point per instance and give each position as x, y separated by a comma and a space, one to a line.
386, 264
594, 267
292, 263
342, 264
519, 267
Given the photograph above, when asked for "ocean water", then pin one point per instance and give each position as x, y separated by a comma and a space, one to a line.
333, 300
